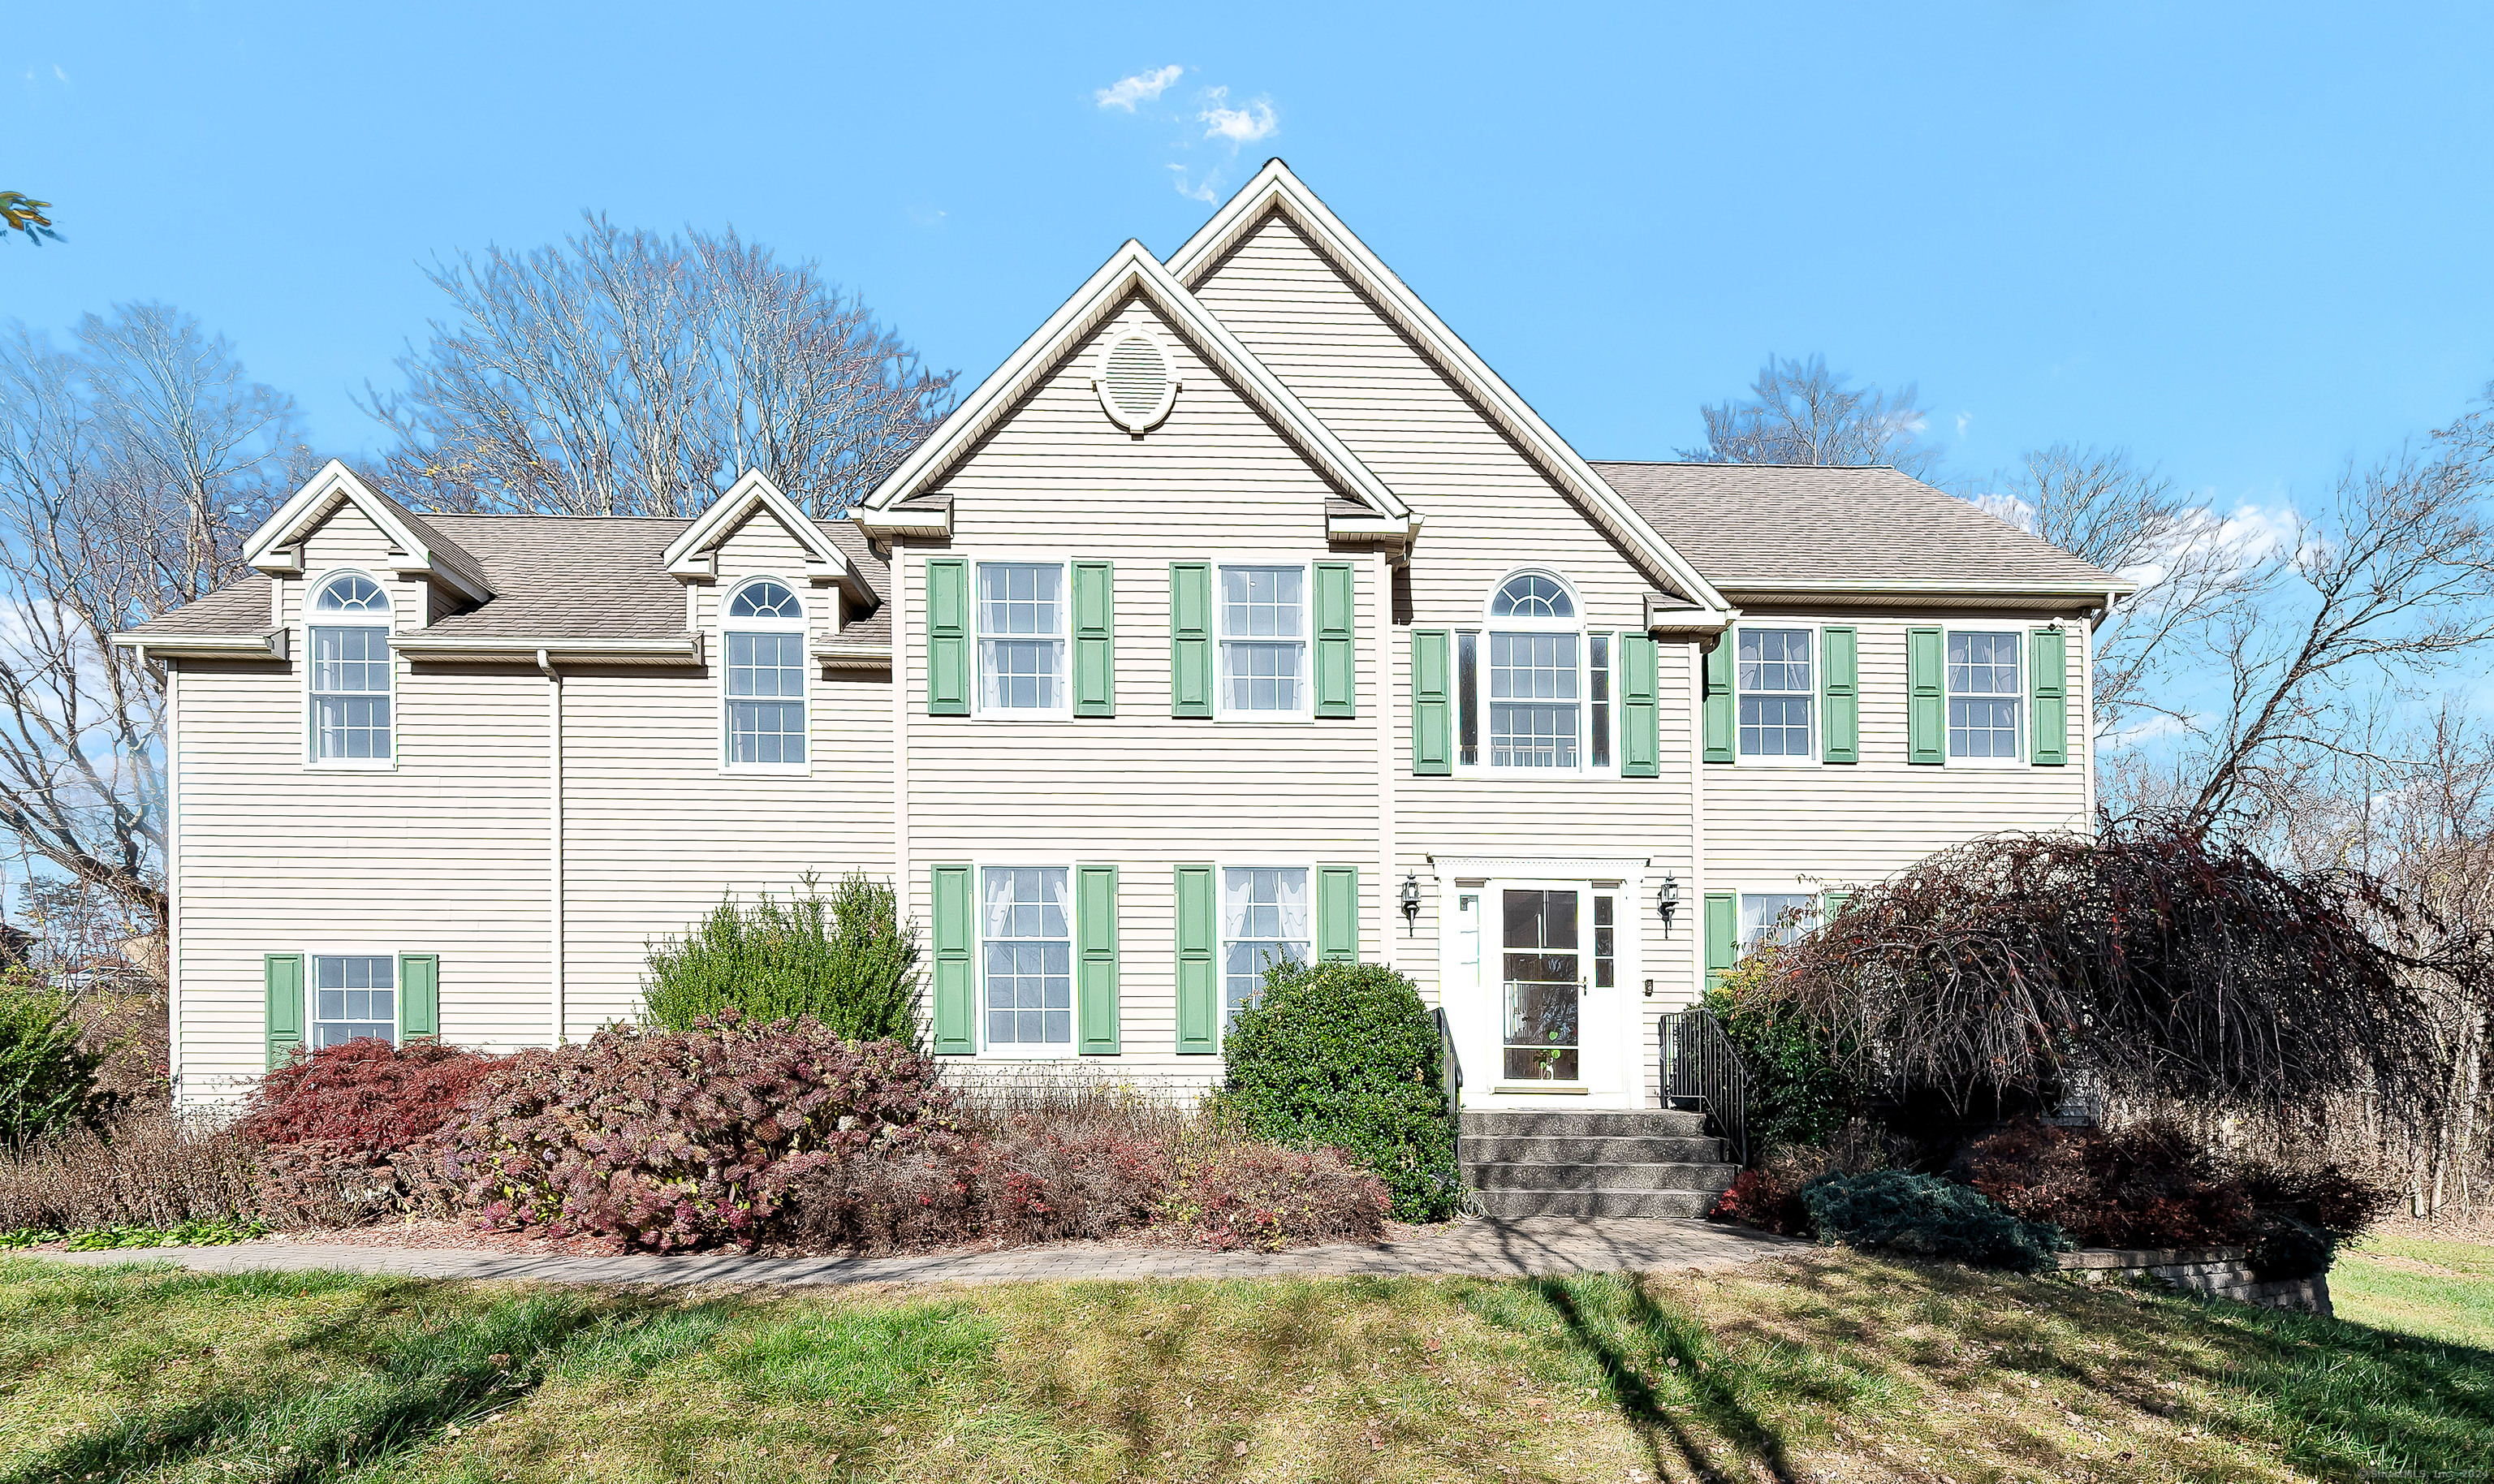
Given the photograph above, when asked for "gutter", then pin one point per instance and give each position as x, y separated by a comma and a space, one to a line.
680, 650
270, 645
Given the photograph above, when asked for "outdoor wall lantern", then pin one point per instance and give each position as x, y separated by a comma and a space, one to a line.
1410, 903
1667, 900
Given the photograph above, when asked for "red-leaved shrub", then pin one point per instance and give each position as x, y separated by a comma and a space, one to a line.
1765, 1199
1241, 1193
1027, 1182
365, 1097
672, 1139
2152, 1186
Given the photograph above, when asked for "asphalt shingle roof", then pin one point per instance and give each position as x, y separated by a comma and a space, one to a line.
1767, 526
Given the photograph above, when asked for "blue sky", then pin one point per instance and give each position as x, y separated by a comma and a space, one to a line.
2249, 242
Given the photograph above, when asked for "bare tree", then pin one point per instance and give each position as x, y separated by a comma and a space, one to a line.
629, 373
2193, 566
1801, 413
131, 467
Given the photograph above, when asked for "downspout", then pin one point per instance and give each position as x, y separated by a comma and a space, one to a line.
554, 841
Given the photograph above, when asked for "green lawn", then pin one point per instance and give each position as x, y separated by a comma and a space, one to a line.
2442, 1290
1828, 1366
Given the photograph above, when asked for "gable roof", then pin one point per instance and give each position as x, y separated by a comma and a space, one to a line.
1762, 530
1130, 271
694, 552
1276, 190
418, 545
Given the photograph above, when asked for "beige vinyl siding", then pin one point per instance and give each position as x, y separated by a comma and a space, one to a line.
1140, 790
657, 829
445, 853
1819, 826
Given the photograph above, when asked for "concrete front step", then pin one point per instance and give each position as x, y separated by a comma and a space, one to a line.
1625, 1123
1502, 1149
1708, 1177
1511, 1204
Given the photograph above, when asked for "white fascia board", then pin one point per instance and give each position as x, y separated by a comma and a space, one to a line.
1131, 268
1928, 587
683, 648
1275, 187
265, 646
1372, 528
852, 656
272, 548
690, 557
935, 524
1664, 616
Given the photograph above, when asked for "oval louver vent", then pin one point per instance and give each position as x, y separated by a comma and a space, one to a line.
1135, 384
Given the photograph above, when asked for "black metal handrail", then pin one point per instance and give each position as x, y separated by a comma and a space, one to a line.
1702, 1071
1450, 1080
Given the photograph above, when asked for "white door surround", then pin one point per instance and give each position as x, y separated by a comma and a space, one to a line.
1474, 989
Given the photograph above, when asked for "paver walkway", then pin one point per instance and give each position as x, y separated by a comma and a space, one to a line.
1498, 1249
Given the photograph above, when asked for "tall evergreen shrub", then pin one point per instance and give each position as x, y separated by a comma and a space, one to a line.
46, 1080
844, 960
1345, 1054
1801, 1089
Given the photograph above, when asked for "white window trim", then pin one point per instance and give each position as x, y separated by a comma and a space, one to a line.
312, 987
1221, 939
2025, 696
1817, 692
1017, 1052
1063, 710
1584, 629
1220, 708
313, 583
802, 628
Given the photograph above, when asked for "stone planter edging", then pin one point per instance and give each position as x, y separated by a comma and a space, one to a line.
2218, 1272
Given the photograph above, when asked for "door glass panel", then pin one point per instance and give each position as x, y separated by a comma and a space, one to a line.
1543, 983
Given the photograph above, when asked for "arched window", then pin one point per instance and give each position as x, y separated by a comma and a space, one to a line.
766, 676
1547, 685
351, 671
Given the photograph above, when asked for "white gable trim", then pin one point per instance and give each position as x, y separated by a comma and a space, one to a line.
693, 556
1276, 188
1131, 269
275, 548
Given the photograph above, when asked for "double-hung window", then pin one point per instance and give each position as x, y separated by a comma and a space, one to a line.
1773, 682
1023, 615
1026, 930
765, 676
1265, 920
351, 671
354, 998
1263, 615
1982, 696
1774, 918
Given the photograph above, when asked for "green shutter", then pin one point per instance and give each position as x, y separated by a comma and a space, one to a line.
1190, 639
1722, 935
948, 636
1334, 652
1095, 968
1095, 639
419, 996
957, 994
1433, 731
2050, 653
1338, 914
1199, 978
1718, 700
282, 976
1640, 714
1832, 903
1842, 720
1926, 700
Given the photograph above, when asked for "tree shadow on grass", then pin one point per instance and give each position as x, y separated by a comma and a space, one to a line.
408, 1381
1712, 1396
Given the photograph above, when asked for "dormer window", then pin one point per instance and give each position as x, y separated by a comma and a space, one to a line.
350, 672
765, 640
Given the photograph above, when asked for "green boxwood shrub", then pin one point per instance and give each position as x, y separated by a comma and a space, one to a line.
844, 960
1345, 1054
1801, 1092
1924, 1216
46, 1080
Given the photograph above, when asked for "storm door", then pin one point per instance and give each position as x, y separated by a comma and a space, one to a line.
1543, 970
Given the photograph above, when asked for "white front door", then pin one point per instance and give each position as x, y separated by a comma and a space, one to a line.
1536, 968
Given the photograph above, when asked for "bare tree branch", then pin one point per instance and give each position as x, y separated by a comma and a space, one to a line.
1801, 413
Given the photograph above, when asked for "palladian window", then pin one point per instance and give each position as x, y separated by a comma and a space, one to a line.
1535, 681
351, 671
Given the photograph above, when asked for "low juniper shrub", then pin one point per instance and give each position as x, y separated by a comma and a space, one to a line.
1925, 1216
668, 1139
1345, 1055
843, 959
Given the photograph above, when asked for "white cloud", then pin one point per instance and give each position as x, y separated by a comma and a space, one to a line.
1965, 420
1239, 126
57, 72
1201, 191
1141, 87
